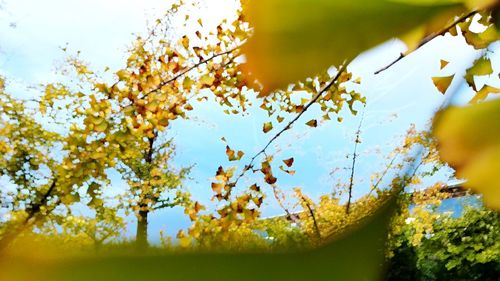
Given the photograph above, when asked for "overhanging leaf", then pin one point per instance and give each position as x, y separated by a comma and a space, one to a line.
295, 39
469, 140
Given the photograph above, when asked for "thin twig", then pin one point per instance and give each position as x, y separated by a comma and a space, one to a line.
429, 38
280, 203
389, 166
353, 166
311, 212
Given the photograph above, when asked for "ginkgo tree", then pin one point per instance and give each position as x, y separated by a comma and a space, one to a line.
37, 167
128, 119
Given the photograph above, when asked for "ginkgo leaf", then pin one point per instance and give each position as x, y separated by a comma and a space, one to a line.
69, 199
295, 39
187, 83
207, 80
483, 93
469, 141
443, 64
312, 123
232, 155
442, 83
353, 256
101, 127
185, 42
288, 162
217, 187
481, 66
290, 172
268, 126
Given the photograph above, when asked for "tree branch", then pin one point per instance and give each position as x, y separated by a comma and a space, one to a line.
389, 166
429, 38
311, 212
289, 125
182, 73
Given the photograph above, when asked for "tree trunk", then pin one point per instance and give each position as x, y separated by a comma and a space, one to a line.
142, 229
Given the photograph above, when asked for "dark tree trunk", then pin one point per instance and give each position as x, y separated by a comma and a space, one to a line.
142, 229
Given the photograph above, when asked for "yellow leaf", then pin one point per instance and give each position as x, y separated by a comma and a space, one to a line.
469, 140
357, 254
312, 123
101, 127
187, 83
295, 39
185, 41
207, 80
483, 93
442, 83
481, 66
268, 126
443, 64
483, 39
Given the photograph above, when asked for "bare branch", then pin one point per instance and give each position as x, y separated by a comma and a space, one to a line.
353, 165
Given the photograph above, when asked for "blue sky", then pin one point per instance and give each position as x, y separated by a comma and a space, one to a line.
33, 31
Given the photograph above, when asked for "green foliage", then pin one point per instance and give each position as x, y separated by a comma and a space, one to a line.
457, 248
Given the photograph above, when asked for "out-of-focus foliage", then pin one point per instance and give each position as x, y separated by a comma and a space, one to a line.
360, 249
469, 140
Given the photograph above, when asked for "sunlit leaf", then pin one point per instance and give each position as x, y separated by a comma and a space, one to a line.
268, 126
443, 64
232, 155
442, 83
481, 66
